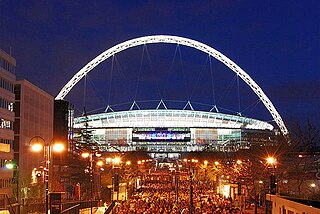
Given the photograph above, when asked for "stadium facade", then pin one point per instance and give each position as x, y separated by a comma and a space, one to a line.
170, 132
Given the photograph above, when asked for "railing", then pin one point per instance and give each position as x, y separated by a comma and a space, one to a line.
74, 206
7, 204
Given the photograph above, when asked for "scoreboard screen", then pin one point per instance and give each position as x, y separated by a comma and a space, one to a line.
162, 135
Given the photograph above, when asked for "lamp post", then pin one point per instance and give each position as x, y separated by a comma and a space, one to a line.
11, 165
271, 161
46, 146
89, 155
191, 172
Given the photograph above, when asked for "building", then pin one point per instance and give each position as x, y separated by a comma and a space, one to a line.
7, 81
34, 110
170, 132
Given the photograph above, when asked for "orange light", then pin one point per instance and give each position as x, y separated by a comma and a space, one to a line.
139, 162
185, 160
216, 163
58, 147
108, 160
205, 162
128, 163
116, 160
85, 154
239, 162
37, 147
100, 163
271, 160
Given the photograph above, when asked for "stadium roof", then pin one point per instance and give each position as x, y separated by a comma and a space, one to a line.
169, 118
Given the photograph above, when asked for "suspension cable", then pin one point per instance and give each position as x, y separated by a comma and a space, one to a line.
110, 82
212, 81
152, 70
183, 72
170, 70
84, 93
204, 66
239, 106
124, 76
227, 91
139, 71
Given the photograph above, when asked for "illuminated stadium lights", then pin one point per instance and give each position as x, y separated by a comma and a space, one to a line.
171, 131
170, 118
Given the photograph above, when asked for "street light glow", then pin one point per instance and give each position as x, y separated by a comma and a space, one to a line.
100, 163
271, 160
116, 160
9, 165
58, 147
313, 185
85, 154
37, 147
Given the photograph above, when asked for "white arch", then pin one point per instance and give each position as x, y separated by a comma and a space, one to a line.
182, 41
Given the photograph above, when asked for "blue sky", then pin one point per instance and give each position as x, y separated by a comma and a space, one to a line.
275, 42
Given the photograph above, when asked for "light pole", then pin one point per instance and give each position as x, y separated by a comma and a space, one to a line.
11, 165
89, 155
191, 171
46, 146
271, 161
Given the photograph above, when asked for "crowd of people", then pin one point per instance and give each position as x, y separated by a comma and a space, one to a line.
163, 193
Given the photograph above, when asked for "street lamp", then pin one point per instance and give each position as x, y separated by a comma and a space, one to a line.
271, 161
89, 155
13, 166
46, 145
99, 163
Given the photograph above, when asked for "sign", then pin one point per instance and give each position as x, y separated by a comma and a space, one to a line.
55, 203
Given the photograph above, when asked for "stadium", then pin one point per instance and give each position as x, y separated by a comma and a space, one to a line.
168, 132
172, 131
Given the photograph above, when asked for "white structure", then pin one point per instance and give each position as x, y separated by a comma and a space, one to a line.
173, 131
284, 206
181, 41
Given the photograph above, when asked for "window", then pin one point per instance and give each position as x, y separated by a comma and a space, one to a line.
7, 85
6, 124
6, 65
6, 104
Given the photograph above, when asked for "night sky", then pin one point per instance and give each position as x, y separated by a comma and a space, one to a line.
276, 42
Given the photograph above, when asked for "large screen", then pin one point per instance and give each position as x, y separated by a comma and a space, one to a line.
161, 135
